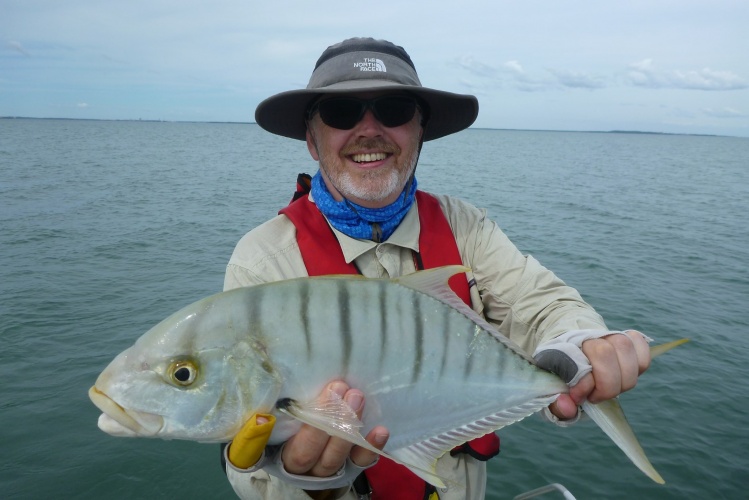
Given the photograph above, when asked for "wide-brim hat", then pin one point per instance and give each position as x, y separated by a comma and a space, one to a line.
362, 65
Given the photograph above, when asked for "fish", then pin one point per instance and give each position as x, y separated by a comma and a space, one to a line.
432, 371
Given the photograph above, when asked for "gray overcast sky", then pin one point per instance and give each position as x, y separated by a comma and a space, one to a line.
677, 66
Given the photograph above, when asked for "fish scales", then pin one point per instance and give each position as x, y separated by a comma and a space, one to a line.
437, 344
430, 359
432, 371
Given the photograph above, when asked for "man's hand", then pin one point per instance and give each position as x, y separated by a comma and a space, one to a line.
617, 361
312, 452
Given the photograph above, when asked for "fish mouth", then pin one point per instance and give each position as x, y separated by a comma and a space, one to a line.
119, 421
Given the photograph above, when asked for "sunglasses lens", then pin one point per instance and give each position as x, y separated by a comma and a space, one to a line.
341, 113
394, 111
344, 113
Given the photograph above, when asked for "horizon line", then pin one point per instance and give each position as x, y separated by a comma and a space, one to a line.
642, 132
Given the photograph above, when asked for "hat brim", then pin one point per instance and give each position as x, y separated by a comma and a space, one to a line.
448, 112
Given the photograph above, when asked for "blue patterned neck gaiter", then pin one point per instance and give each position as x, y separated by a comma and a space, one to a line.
376, 224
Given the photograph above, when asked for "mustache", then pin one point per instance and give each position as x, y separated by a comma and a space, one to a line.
370, 143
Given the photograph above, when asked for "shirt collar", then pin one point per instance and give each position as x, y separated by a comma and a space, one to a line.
406, 235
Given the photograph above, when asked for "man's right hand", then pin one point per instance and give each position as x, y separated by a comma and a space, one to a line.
312, 452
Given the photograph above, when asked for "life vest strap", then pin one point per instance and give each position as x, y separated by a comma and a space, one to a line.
322, 255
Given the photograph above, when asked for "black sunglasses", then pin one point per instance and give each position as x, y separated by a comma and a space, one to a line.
344, 113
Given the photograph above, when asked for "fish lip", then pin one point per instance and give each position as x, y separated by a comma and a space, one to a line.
140, 423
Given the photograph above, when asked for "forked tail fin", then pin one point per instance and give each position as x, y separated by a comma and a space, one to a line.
610, 417
657, 350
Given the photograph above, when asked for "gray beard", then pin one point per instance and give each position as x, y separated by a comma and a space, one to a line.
374, 187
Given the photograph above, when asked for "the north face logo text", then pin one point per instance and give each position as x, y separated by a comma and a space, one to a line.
371, 64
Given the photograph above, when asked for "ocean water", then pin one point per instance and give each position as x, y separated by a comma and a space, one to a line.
108, 227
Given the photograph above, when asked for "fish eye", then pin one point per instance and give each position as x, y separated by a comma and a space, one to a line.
183, 372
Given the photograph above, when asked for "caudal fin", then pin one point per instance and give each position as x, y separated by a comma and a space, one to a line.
610, 417
657, 350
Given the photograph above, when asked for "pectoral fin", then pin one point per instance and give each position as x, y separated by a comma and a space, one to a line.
336, 418
333, 416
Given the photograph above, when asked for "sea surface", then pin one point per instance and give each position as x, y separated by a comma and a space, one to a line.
108, 227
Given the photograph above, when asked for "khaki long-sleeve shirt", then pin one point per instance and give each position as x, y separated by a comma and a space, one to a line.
514, 292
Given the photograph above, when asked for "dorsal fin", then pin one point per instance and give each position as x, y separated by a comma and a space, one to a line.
433, 282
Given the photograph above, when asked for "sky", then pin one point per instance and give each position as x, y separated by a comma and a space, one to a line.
671, 66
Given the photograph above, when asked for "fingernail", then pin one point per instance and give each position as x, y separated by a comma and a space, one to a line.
355, 401
380, 438
338, 387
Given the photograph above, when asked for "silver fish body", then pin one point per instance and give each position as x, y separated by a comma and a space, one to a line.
431, 370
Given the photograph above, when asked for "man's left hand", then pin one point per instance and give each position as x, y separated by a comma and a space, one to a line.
617, 361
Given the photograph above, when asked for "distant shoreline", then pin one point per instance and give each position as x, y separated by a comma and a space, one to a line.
638, 132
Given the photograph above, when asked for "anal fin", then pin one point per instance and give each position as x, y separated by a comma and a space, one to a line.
422, 457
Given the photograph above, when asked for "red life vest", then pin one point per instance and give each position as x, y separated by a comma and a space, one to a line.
322, 255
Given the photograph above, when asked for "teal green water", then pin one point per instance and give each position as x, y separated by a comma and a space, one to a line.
108, 227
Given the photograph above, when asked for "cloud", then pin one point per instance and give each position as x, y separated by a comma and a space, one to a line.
513, 74
82, 105
724, 112
515, 67
476, 68
15, 45
578, 79
524, 81
509, 74
645, 74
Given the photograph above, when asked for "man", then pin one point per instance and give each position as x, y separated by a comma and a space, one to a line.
364, 116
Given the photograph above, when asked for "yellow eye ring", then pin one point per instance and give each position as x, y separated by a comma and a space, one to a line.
183, 372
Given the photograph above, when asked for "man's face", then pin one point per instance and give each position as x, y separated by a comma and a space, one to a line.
368, 164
